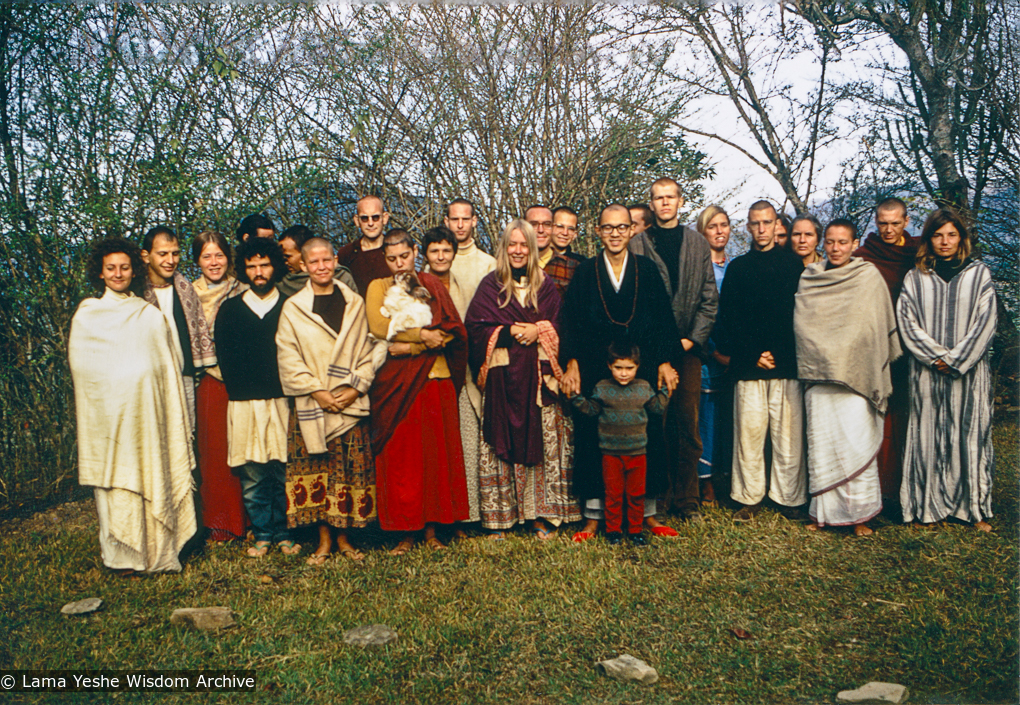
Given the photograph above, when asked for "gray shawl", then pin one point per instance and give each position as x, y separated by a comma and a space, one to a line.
846, 329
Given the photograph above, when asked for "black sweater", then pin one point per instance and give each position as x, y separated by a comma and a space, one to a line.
246, 350
756, 313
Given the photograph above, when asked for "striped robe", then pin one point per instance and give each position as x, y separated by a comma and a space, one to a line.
948, 458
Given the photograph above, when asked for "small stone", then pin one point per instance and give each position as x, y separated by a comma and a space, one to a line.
266, 579
628, 668
204, 617
89, 604
371, 635
874, 692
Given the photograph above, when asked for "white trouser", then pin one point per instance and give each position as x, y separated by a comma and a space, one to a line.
775, 405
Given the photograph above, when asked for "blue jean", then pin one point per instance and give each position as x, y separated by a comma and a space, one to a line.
715, 422
265, 499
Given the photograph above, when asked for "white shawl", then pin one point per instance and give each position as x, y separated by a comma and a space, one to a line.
133, 431
313, 358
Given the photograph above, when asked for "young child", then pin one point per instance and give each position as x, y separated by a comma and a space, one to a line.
621, 404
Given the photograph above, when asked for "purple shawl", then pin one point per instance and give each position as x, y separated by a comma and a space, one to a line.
511, 418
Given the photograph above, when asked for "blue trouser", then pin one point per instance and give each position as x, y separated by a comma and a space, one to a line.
265, 499
715, 422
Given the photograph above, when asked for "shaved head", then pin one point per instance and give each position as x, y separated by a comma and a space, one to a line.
313, 243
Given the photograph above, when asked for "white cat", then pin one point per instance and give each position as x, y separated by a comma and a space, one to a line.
406, 305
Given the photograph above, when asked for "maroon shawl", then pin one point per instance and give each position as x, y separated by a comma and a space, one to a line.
511, 418
400, 379
893, 261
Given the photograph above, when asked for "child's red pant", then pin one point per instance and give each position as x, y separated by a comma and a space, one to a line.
624, 476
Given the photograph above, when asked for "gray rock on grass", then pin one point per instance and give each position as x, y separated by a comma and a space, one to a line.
204, 618
371, 635
874, 692
628, 668
86, 606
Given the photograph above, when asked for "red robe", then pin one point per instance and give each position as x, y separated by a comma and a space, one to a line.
893, 262
416, 428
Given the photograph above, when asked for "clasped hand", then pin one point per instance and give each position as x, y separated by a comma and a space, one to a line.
335, 402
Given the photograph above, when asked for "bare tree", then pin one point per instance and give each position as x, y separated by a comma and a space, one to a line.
738, 53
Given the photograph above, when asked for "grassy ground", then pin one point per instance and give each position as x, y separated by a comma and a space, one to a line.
523, 621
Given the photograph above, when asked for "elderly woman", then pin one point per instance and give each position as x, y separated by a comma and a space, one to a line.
715, 411
220, 491
526, 453
947, 316
134, 439
805, 235
846, 338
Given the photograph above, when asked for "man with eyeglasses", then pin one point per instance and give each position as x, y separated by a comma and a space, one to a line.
616, 296
365, 257
756, 330
562, 264
541, 219
684, 261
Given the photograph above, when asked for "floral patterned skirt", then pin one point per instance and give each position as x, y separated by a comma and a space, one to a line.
336, 487
515, 493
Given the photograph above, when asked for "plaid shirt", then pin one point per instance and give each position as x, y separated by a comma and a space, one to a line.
561, 269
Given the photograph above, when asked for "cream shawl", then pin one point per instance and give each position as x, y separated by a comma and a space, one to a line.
211, 298
132, 425
846, 329
312, 358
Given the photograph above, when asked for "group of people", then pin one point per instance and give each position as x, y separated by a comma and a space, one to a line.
421, 384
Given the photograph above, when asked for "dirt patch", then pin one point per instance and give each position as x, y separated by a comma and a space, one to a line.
63, 517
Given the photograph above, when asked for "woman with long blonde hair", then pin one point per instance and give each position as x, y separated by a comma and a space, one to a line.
526, 450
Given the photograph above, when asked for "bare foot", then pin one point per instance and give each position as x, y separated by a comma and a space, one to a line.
590, 526
651, 522
812, 527
434, 543
460, 534
405, 545
862, 530
983, 526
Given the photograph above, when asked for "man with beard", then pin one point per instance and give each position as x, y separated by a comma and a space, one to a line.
257, 411
616, 296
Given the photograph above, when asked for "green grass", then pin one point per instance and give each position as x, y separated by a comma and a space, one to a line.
523, 621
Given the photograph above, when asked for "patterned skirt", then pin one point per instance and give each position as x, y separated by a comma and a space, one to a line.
470, 435
336, 487
513, 493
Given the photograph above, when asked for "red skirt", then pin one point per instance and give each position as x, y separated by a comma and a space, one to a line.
222, 505
420, 472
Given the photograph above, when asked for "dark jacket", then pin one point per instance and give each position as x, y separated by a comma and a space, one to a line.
695, 301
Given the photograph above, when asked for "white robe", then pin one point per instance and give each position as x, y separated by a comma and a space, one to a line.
134, 443
948, 455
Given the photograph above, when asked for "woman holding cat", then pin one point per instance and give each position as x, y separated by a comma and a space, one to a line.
526, 452
415, 428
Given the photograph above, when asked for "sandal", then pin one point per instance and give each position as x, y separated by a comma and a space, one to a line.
352, 554
260, 549
663, 530
544, 533
317, 559
289, 548
496, 535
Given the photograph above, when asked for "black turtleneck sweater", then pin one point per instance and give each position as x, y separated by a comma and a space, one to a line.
667, 242
756, 313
